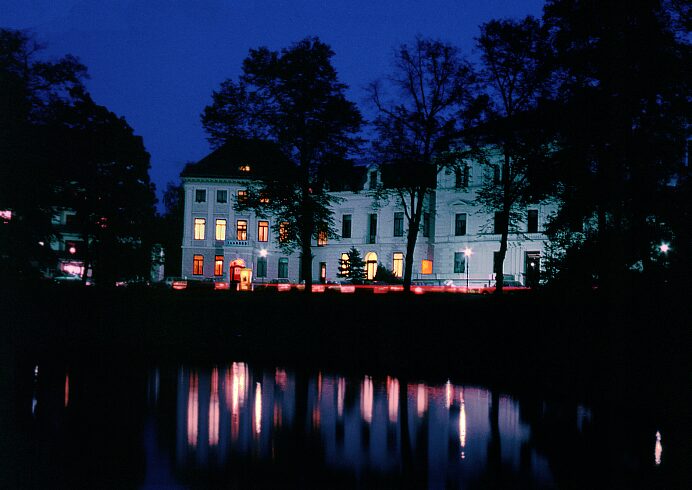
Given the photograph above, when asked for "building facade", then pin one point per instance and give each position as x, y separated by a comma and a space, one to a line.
457, 242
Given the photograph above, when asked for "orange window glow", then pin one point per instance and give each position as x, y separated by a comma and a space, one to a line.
198, 265
218, 265
322, 239
426, 267
241, 230
283, 231
262, 231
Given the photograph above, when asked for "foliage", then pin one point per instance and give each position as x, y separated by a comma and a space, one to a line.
169, 229
293, 98
386, 275
352, 268
432, 84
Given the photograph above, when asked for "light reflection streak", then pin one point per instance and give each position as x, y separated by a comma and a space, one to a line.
366, 399
340, 393
658, 449
278, 415
393, 399
214, 408
449, 394
193, 410
319, 386
281, 379
462, 424
258, 408
67, 390
422, 399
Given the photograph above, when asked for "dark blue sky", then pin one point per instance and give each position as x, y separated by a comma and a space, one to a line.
156, 62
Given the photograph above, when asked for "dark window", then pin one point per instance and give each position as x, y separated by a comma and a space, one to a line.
461, 177
398, 224
372, 231
532, 221
70, 219
532, 268
346, 226
426, 224
460, 224
261, 267
496, 174
373, 179
200, 195
222, 196
283, 268
459, 262
499, 223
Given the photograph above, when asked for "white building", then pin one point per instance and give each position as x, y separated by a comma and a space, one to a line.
216, 237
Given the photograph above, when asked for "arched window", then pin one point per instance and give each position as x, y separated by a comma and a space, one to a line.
371, 265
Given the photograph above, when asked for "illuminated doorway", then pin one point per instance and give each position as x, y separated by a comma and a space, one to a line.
234, 268
370, 265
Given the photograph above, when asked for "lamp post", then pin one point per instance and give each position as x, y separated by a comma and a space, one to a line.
467, 253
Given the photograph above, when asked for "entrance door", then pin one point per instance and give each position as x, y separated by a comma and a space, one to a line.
323, 272
532, 268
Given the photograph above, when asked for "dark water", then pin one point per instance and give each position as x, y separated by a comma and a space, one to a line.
237, 425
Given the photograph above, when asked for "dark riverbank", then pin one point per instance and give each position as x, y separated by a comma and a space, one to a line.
627, 356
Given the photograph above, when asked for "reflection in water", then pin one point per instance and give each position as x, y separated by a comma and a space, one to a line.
341, 391
193, 410
658, 449
422, 399
366, 399
258, 409
67, 390
462, 424
449, 394
214, 408
34, 399
393, 399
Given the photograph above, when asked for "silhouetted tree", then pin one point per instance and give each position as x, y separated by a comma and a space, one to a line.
352, 268
291, 97
508, 136
432, 83
623, 99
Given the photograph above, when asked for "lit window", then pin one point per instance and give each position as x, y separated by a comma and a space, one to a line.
460, 224
222, 196
321, 238
244, 168
200, 195
198, 265
283, 232
220, 232
241, 230
200, 224
459, 262
218, 265
264, 199
532, 221
242, 196
346, 226
399, 224
426, 267
323, 272
262, 231
371, 265
261, 267
283, 268
398, 266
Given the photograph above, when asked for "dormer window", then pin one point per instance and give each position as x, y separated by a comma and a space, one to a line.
373, 179
244, 168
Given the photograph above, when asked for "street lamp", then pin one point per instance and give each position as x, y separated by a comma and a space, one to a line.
467, 253
664, 247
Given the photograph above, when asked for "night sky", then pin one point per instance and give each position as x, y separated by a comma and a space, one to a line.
156, 62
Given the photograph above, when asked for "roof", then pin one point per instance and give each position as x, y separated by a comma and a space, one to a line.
233, 159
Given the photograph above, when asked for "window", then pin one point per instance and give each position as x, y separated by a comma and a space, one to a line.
264, 199
201, 195
283, 268
532, 268
496, 174
321, 238
70, 219
459, 262
220, 233
370, 265
218, 265
261, 267
346, 226
262, 231
461, 177
426, 267
460, 224
323, 272
372, 231
244, 168
242, 196
200, 223
426, 224
344, 263
499, 223
198, 265
222, 196
398, 265
241, 230
373, 179
532, 221
398, 224
283, 232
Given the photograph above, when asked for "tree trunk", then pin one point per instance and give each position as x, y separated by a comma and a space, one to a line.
506, 205
411, 238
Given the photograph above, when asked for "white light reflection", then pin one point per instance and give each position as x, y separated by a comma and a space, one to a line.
258, 408
462, 424
366, 397
34, 400
658, 450
340, 393
214, 408
422, 399
449, 394
393, 398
